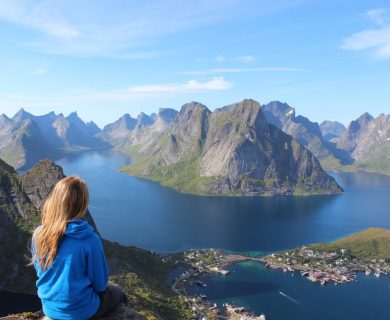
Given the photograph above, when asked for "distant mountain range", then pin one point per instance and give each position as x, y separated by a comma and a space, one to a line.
26, 138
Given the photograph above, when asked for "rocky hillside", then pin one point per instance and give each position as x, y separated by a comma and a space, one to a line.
367, 139
141, 273
308, 133
231, 151
26, 138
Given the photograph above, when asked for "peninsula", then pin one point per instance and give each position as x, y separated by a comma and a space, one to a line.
338, 262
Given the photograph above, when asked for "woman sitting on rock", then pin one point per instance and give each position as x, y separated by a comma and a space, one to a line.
69, 259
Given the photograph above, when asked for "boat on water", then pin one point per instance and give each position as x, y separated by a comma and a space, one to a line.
201, 284
305, 273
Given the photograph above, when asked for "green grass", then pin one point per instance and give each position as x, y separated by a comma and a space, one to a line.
182, 175
378, 164
143, 275
373, 243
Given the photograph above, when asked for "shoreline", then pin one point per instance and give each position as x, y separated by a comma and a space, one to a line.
199, 271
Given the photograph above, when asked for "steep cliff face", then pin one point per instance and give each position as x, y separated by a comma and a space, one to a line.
307, 133
232, 150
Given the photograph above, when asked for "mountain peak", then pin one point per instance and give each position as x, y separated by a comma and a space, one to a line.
22, 115
365, 117
192, 106
73, 115
143, 120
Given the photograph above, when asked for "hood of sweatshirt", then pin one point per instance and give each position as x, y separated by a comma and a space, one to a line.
78, 229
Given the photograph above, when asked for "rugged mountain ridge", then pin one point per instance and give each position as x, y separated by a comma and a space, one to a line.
141, 273
232, 150
26, 139
308, 133
367, 139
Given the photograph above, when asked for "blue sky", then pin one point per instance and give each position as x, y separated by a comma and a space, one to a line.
328, 59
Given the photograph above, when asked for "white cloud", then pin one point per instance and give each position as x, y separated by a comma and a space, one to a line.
240, 70
376, 39
118, 95
215, 84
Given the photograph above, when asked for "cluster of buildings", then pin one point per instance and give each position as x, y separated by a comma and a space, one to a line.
325, 266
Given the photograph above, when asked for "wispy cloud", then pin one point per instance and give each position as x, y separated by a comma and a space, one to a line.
247, 59
240, 70
376, 38
117, 95
96, 28
215, 84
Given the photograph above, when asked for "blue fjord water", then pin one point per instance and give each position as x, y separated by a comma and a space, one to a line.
134, 211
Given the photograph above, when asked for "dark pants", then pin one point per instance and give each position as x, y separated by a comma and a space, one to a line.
110, 300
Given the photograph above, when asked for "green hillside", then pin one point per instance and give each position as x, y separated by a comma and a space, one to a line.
373, 243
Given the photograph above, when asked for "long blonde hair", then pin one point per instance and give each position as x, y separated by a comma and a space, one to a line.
68, 200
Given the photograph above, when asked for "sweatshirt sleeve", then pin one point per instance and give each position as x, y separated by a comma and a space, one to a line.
97, 270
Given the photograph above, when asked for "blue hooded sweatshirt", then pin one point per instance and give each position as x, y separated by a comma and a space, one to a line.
69, 288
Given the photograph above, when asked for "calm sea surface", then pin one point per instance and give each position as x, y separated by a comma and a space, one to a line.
137, 212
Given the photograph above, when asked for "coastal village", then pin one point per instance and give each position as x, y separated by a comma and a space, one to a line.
197, 265
320, 263
325, 266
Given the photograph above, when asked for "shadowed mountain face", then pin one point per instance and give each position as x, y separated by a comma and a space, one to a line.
331, 130
367, 139
307, 133
26, 139
232, 150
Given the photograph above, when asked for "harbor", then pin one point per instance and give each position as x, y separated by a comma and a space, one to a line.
198, 264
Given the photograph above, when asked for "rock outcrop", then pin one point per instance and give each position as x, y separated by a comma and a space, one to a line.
141, 273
